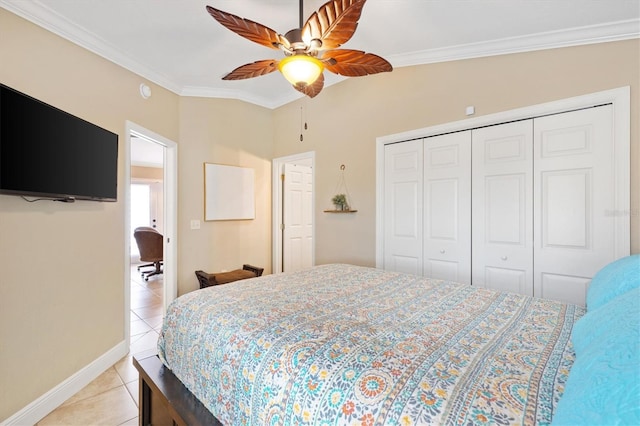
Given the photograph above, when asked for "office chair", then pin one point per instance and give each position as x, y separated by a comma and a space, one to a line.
149, 243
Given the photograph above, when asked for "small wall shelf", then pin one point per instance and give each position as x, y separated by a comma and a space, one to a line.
341, 199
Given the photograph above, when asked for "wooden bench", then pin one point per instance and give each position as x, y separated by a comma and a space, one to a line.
247, 271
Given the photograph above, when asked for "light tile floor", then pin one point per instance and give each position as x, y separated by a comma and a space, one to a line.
112, 399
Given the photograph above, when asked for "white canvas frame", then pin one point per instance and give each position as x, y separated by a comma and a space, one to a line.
228, 192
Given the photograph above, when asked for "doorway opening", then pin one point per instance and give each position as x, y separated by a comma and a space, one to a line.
150, 201
293, 202
147, 208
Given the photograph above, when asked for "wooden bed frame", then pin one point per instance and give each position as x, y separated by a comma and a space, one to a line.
164, 400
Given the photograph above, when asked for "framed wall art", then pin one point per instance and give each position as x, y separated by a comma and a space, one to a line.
228, 192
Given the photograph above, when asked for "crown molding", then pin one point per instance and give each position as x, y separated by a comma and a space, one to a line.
38, 13
271, 103
241, 95
613, 31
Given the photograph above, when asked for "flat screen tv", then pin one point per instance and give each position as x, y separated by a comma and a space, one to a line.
46, 152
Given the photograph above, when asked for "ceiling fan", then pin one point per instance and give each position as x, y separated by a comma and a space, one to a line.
309, 49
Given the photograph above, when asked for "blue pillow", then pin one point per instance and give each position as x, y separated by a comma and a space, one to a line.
604, 383
614, 279
597, 324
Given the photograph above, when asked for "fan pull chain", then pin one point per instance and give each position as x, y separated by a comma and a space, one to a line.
303, 123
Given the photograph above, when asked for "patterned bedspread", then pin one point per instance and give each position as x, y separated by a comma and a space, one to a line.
345, 345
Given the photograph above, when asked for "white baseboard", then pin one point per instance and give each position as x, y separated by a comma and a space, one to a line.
38, 409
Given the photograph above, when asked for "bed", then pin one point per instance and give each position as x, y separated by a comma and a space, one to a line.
342, 344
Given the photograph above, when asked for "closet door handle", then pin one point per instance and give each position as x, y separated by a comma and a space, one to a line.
504, 258
442, 251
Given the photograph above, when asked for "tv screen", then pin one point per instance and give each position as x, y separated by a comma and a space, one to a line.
46, 152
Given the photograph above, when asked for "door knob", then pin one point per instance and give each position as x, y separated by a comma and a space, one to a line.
504, 258
441, 251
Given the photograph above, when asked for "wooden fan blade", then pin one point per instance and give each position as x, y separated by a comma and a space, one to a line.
313, 89
248, 29
254, 69
354, 63
334, 23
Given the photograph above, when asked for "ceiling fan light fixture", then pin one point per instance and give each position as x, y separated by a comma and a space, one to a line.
301, 69
320, 37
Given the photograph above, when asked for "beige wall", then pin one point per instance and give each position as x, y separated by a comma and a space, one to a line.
62, 265
147, 173
345, 119
223, 132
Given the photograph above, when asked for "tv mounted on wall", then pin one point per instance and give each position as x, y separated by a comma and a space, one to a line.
46, 152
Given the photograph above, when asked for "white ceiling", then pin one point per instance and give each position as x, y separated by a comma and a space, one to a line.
176, 44
145, 153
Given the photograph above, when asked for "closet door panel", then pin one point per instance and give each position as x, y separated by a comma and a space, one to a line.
403, 207
505, 209
447, 207
502, 223
505, 279
567, 288
574, 198
566, 223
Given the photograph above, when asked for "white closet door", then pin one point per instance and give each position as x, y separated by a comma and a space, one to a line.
574, 198
403, 207
502, 246
447, 207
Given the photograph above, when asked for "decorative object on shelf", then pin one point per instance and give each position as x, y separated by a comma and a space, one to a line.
342, 197
340, 201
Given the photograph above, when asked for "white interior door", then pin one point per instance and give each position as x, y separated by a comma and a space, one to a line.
157, 203
403, 180
502, 246
297, 218
574, 198
447, 207
140, 215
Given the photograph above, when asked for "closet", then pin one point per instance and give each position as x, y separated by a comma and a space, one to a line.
524, 206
